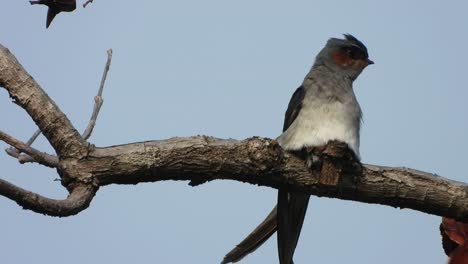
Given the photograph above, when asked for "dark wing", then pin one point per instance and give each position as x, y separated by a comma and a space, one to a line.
268, 227
51, 13
294, 106
65, 5
292, 207
56, 7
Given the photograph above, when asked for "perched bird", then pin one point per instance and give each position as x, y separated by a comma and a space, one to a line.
322, 109
55, 7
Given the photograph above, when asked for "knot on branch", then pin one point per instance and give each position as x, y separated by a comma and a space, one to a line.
264, 152
75, 173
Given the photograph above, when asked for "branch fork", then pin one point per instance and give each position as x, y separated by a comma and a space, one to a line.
81, 192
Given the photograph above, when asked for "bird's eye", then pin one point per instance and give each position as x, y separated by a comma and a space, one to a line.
355, 53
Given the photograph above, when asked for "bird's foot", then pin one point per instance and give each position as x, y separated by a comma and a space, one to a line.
312, 157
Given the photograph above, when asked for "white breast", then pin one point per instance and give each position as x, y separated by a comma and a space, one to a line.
320, 121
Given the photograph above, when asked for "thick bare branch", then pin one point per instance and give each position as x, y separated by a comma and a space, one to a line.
78, 200
263, 162
98, 99
40, 157
29, 95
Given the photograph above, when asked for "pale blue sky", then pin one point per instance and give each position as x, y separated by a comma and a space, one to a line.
227, 69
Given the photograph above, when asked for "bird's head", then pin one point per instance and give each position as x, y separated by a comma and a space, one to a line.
347, 56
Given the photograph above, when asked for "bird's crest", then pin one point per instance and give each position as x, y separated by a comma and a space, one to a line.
355, 41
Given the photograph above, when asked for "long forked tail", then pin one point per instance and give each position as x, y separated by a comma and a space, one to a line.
255, 239
292, 208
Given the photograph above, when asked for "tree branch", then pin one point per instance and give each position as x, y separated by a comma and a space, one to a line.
98, 99
78, 200
40, 157
16, 153
29, 95
87, 3
263, 162
33, 137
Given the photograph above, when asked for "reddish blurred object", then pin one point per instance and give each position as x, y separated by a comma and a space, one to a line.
455, 240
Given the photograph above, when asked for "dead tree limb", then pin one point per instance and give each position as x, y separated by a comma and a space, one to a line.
98, 101
26, 93
83, 168
25, 158
77, 201
40, 157
47, 159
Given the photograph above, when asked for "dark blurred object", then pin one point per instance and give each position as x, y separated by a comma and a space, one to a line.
55, 7
455, 240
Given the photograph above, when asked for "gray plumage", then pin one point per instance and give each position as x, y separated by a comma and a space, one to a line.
329, 111
323, 108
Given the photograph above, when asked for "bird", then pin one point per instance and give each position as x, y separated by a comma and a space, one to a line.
324, 108
455, 240
55, 7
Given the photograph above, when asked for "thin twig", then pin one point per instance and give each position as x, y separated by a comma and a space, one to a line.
98, 99
25, 158
87, 2
33, 137
40, 157
14, 152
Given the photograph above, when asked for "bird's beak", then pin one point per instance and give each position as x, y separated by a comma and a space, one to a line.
369, 62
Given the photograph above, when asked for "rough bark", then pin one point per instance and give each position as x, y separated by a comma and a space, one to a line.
83, 168
26, 93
